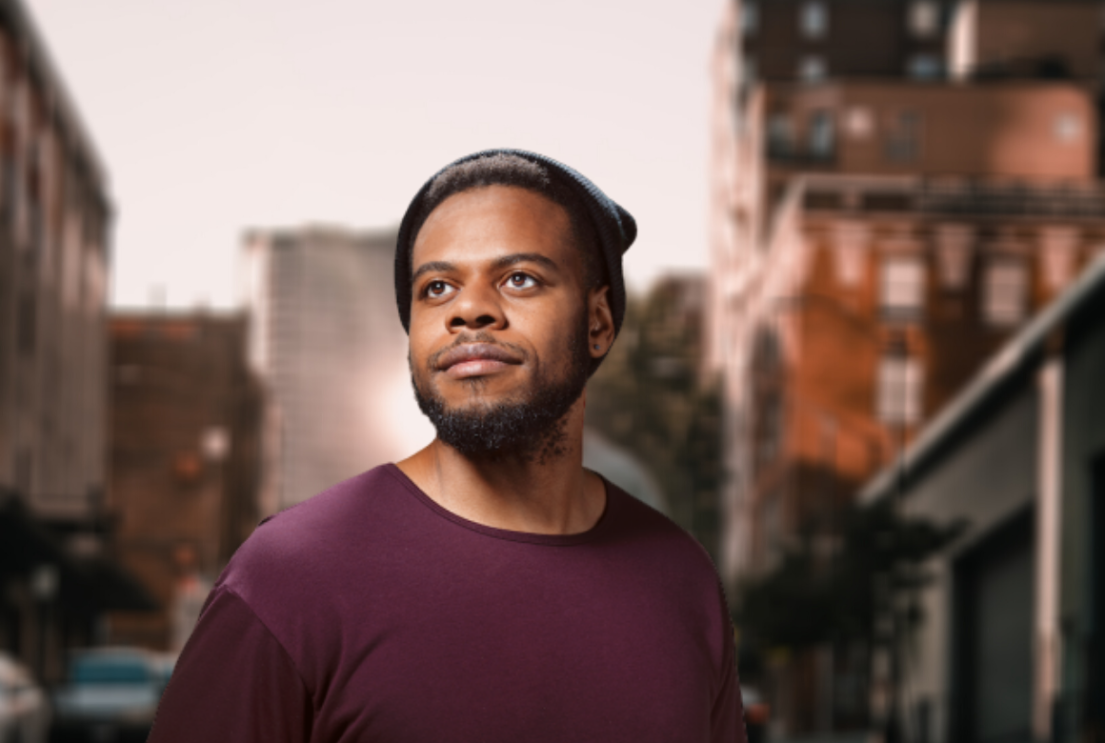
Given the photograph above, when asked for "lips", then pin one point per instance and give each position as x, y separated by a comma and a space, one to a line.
475, 359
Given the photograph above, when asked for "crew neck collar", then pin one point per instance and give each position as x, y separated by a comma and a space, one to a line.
553, 540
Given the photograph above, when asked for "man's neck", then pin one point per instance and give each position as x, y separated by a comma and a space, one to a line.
549, 494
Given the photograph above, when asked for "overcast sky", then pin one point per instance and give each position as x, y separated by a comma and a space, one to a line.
214, 116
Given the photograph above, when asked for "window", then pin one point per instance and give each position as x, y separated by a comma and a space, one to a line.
953, 255
1005, 292
903, 287
812, 68
900, 389
748, 70
814, 19
780, 135
924, 17
926, 67
850, 241
903, 142
822, 135
750, 18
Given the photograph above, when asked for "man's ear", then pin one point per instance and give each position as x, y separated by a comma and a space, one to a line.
600, 322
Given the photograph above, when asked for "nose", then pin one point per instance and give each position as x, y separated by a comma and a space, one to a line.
477, 308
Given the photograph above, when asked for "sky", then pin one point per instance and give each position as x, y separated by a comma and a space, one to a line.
218, 116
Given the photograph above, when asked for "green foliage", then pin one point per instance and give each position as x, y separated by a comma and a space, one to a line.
648, 397
862, 591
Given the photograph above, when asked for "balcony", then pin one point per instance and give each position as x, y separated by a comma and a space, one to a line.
960, 197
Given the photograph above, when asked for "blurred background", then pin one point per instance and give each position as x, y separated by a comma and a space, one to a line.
863, 361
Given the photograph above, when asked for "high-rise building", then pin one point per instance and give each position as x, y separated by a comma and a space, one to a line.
327, 343
898, 187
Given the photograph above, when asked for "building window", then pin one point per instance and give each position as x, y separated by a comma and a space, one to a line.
814, 19
900, 389
954, 254
850, 240
822, 135
748, 70
903, 287
1005, 292
924, 18
749, 18
780, 135
926, 67
812, 68
903, 141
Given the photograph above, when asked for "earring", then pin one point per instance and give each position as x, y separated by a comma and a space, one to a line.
597, 346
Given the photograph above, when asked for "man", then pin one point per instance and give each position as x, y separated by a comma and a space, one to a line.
488, 588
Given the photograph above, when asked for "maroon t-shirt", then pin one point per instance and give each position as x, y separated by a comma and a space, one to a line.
369, 613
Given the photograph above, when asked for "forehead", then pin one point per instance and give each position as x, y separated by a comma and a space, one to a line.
488, 221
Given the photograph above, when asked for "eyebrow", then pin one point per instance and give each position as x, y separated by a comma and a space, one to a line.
443, 266
502, 262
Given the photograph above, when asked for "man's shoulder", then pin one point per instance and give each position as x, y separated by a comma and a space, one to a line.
659, 536
313, 535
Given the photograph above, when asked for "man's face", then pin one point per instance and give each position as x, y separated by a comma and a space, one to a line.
499, 320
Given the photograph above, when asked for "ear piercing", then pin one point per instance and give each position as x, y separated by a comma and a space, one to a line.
597, 346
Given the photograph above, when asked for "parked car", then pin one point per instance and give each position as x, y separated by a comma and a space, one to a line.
24, 710
111, 695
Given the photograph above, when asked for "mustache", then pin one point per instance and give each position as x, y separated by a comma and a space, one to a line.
434, 362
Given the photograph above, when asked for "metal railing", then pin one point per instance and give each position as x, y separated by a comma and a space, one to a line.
966, 197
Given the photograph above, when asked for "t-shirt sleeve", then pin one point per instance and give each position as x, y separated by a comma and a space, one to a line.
727, 715
234, 681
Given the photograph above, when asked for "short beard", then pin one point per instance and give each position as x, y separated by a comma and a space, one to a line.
529, 429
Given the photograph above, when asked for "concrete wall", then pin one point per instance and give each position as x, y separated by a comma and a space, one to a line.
1083, 440
989, 477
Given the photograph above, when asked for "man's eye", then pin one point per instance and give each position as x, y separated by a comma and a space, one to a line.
521, 281
437, 289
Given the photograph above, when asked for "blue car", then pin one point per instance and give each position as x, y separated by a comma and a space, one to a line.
112, 695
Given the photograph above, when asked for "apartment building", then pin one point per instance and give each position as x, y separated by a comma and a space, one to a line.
57, 578
898, 188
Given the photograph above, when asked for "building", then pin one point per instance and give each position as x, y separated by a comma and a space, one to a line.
1012, 646
899, 187
185, 461
326, 341
55, 213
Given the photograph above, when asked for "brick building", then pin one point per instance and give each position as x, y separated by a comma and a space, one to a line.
898, 187
185, 456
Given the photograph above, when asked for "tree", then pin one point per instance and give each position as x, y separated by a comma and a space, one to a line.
862, 594
649, 397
